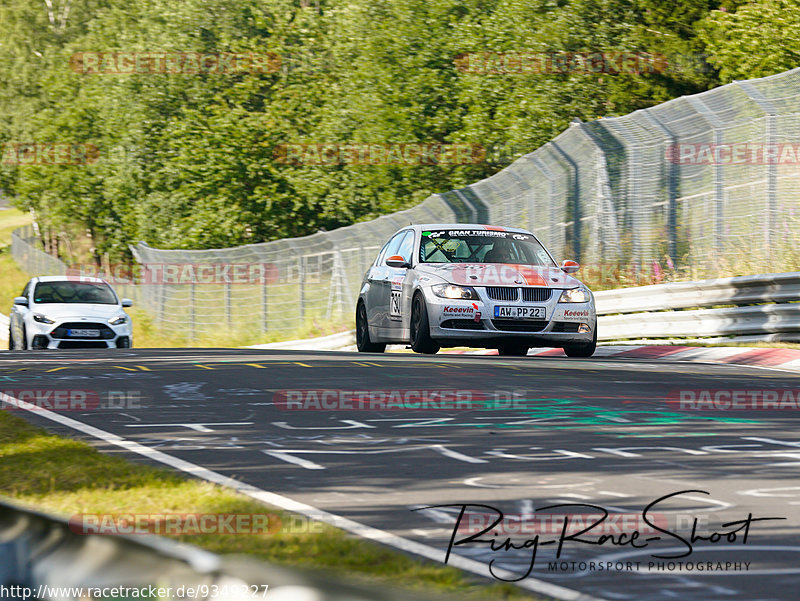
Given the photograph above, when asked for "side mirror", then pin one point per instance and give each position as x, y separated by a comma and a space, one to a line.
570, 266
21, 300
126, 302
397, 261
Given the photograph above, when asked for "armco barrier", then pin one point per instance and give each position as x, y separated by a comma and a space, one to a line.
763, 305
42, 553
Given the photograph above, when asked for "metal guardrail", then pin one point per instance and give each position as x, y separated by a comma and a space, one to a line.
41, 553
764, 305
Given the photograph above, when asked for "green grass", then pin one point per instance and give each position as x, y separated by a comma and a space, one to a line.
11, 219
60, 475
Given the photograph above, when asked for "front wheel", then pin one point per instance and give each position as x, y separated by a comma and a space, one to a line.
10, 339
421, 341
584, 349
364, 344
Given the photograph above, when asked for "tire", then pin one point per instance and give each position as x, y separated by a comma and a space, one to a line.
10, 340
585, 349
421, 341
512, 350
364, 344
23, 345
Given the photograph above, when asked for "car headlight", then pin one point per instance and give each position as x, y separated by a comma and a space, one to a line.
41, 318
575, 295
119, 319
453, 291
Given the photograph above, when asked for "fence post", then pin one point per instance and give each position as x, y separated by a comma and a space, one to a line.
192, 326
301, 276
718, 179
552, 195
576, 200
228, 309
672, 185
770, 139
264, 326
605, 203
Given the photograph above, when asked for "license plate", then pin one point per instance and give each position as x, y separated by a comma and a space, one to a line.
84, 333
520, 312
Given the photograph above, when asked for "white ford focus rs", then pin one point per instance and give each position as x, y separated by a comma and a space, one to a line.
473, 285
61, 312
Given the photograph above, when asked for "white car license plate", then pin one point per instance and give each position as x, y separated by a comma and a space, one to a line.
84, 333
520, 312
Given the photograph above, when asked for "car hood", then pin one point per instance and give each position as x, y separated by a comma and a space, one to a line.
76, 310
499, 274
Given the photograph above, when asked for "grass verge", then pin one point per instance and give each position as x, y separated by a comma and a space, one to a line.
65, 476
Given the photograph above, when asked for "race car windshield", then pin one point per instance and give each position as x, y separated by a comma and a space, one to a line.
73, 292
482, 246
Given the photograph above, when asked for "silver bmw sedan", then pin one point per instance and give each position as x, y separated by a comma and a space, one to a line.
440, 285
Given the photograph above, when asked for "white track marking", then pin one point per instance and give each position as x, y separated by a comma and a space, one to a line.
362, 530
474, 482
455, 454
611, 493
309, 465
200, 427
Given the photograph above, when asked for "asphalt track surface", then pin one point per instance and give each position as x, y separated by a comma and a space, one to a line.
593, 431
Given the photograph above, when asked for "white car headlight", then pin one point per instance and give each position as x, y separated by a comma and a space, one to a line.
41, 318
453, 291
575, 295
119, 319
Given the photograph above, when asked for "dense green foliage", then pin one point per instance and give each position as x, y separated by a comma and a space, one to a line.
189, 160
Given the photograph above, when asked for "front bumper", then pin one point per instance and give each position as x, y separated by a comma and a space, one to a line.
461, 322
60, 335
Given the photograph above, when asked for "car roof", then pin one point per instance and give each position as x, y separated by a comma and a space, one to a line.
462, 226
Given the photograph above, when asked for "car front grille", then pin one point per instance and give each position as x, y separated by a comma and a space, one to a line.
502, 293
518, 325
67, 344
536, 295
529, 295
106, 333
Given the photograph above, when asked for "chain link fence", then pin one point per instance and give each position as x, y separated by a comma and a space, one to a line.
709, 183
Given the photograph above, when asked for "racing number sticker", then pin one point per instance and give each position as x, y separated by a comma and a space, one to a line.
394, 305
